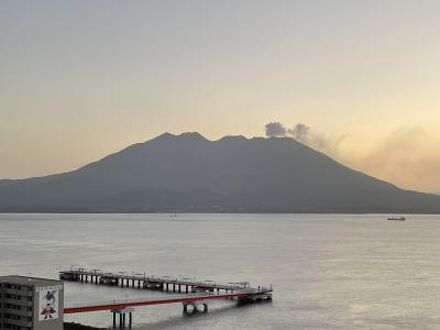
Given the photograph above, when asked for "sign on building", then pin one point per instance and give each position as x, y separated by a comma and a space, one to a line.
48, 307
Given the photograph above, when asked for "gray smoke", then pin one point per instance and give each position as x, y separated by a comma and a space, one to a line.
300, 132
275, 129
304, 134
408, 156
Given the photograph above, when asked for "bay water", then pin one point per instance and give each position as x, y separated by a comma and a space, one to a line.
329, 271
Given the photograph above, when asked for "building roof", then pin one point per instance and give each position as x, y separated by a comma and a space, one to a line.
31, 281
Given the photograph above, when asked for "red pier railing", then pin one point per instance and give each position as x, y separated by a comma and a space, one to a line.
188, 299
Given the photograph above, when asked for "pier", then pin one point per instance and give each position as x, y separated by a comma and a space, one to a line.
143, 281
194, 294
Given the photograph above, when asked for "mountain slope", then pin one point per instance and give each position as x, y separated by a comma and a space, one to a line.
188, 173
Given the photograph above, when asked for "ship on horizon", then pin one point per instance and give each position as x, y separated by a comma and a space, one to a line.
399, 218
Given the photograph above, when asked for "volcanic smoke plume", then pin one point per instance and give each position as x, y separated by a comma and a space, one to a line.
275, 129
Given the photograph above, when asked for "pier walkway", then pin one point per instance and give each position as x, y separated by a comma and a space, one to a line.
244, 296
143, 281
197, 293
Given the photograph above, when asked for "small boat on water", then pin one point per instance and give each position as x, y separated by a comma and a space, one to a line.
401, 218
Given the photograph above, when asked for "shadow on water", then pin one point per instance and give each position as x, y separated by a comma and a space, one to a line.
186, 319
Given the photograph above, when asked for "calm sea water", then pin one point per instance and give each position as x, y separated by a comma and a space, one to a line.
328, 271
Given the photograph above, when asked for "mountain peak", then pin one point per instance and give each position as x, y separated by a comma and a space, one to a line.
164, 136
232, 138
194, 136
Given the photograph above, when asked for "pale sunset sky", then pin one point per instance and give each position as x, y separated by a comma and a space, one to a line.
82, 79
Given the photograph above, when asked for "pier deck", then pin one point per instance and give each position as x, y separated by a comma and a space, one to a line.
196, 292
144, 281
245, 295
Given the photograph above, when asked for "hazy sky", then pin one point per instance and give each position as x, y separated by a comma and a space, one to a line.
81, 79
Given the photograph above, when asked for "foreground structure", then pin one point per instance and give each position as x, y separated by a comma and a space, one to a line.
30, 303
195, 298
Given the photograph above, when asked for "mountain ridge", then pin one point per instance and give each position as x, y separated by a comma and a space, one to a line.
189, 173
